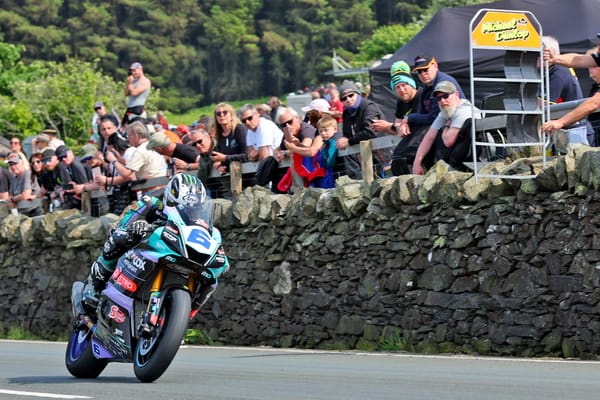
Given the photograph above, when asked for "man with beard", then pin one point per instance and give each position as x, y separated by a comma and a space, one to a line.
450, 133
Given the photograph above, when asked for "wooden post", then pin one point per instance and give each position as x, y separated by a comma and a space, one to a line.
366, 160
235, 175
86, 203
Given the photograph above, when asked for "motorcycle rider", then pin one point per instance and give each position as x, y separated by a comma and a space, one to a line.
137, 224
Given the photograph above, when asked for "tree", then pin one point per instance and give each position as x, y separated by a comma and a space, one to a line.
212, 50
61, 95
233, 65
385, 40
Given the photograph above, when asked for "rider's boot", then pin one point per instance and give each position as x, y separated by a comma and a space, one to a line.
95, 282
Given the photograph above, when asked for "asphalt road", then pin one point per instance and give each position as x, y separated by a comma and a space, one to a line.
31, 370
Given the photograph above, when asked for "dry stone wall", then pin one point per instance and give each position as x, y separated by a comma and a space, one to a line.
433, 264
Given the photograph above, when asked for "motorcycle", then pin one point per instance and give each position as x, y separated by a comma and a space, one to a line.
143, 312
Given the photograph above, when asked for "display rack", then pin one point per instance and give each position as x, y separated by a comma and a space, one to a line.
517, 110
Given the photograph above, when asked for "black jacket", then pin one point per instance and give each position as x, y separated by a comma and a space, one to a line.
356, 127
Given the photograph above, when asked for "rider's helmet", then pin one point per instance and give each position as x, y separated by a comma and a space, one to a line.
184, 189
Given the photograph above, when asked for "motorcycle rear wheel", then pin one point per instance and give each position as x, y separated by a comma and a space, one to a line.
79, 359
154, 354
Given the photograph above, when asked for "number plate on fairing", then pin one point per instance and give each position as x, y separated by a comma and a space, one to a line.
199, 239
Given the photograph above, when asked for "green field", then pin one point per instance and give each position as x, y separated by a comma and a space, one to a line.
195, 113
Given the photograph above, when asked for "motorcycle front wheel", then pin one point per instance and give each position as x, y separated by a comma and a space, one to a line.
154, 354
79, 359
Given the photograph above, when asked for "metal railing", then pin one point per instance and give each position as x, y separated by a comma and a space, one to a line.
365, 149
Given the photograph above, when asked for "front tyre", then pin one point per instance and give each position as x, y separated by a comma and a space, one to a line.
154, 354
79, 359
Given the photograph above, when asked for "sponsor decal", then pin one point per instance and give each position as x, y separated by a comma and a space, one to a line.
126, 283
506, 29
168, 236
134, 262
191, 199
116, 314
220, 259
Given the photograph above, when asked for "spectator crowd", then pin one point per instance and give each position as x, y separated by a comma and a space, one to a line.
136, 153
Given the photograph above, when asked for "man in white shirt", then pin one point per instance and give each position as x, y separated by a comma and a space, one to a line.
262, 137
144, 163
450, 133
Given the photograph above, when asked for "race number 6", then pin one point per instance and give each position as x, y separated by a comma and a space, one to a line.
200, 237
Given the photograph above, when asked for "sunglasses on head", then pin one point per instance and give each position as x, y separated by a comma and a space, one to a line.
221, 113
443, 96
244, 120
286, 123
348, 96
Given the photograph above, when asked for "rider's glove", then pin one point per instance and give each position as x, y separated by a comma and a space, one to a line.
140, 228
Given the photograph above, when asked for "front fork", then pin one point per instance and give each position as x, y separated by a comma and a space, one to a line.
150, 318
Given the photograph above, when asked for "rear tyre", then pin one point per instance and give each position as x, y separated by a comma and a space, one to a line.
154, 354
79, 359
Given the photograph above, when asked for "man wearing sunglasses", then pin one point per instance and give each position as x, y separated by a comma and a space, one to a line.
356, 124
298, 132
262, 137
427, 69
449, 136
182, 156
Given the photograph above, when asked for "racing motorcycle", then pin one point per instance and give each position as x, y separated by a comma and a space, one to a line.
143, 312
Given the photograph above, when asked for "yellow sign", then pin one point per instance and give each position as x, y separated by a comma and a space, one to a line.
506, 29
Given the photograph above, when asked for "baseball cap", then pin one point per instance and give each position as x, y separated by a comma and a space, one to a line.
135, 65
317, 104
158, 139
423, 62
98, 104
61, 151
88, 151
444, 87
47, 154
14, 158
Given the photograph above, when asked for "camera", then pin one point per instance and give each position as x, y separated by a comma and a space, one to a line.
129, 73
67, 186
